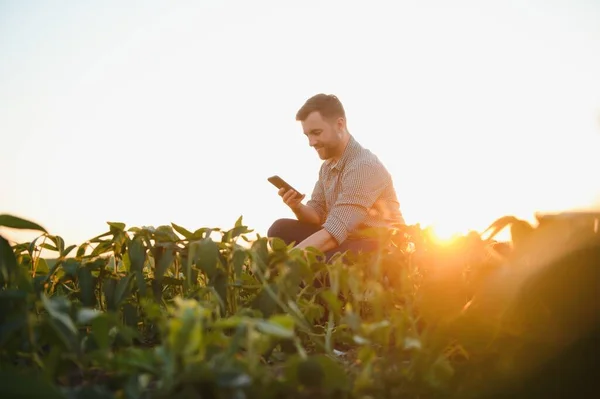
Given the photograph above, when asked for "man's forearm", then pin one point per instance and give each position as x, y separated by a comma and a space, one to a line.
305, 213
321, 240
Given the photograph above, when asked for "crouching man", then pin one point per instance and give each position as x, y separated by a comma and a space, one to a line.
354, 190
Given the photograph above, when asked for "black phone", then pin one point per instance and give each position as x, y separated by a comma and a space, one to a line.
279, 183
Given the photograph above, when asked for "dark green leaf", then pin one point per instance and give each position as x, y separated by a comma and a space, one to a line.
170, 281
220, 284
8, 263
333, 302
310, 373
13, 326
141, 282
163, 258
317, 371
265, 303
205, 256
130, 315
122, 290
239, 257
137, 254
70, 266
87, 287
100, 330
60, 320
20, 385
109, 286
18, 223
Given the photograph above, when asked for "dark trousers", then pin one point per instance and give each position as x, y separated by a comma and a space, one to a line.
292, 230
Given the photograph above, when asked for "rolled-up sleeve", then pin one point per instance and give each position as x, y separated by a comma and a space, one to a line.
317, 201
363, 183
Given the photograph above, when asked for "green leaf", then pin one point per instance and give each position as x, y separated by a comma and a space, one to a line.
100, 330
109, 286
42, 267
238, 259
70, 266
8, 263
310, 373
239, 228
60, 320
116, 226
86, 315
336, 377
333, 302
122, 290
170, 281
205, 255
15, 384
102, 247
163, 257
81, 250
32, 245
220, 284
68, 249
130, 315
86, 287
137, 254
59, 242
280, 326
264, 302
278, 244
15, 222
184, 232
165, 233
49, 247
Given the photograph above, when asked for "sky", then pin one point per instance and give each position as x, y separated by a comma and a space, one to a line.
155, 112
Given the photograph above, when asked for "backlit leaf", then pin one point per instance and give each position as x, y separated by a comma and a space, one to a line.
15, 222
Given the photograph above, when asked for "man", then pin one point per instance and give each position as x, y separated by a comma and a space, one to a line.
354, 190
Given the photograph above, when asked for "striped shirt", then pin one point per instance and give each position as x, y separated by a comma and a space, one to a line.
353, 193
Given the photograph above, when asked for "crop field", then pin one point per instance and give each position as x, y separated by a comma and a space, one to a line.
170, 312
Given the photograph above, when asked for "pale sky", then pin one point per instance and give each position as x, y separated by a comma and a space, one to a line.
177, 111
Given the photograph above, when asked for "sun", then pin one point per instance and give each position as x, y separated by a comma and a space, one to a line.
444, 233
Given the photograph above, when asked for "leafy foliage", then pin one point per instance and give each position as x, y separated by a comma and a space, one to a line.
152, 312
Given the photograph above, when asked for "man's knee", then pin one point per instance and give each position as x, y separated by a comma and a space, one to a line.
280, 228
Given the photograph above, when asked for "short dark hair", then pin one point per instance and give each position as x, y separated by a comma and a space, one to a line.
328, 105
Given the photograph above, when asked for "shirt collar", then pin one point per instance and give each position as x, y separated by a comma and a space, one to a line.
350, 149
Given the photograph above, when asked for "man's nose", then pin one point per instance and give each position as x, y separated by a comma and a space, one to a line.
312, 142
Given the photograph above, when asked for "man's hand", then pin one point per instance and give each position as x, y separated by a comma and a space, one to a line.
304, 213
321, 240
291, 198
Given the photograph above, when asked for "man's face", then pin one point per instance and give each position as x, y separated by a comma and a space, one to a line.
323, 135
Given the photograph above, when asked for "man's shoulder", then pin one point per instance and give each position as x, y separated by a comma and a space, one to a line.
365, 158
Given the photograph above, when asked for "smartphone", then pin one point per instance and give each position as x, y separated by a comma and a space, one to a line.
279, 183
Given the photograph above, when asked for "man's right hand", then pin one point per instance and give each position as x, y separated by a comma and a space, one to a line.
291, 198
